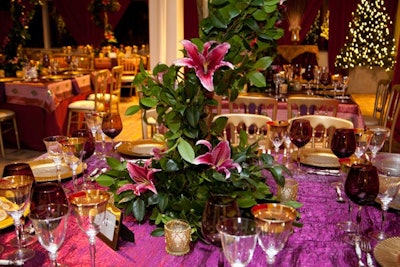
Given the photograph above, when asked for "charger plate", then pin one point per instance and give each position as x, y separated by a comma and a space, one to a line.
140, 148
387, 252
8, 221
317, 157
45, 170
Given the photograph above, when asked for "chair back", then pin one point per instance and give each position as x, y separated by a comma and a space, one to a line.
381, 97
392, 113
130, 65
323, 128
84, 61
261, 105
253, 124
310, 105
100, 89
149, 122
115, 88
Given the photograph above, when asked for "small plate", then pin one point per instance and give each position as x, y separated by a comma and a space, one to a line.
387, 252
45, 170
318, 157
8, 221
140, 148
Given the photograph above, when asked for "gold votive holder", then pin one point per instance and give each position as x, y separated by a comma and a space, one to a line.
177, 237
289, 191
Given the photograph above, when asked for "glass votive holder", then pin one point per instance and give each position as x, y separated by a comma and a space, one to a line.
177, 237
289, 191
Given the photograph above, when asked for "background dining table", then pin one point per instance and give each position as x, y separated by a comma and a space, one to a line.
318, 242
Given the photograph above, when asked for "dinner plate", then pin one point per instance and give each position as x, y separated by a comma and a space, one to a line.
8, 221
45, 170
317, 157
9, 79
387, 252
140, 148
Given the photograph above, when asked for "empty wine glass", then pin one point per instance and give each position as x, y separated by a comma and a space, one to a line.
308, 75
88, 150
317, 76
73, 151
112, 127
14, 198
277, 134
274, 222
239, 239
93, 121
20, 168
89, 209
362, 188
278, 80
388, 189
55, 151
50, 223
300, 134
377, 140
325, 78
344, 85
362, 142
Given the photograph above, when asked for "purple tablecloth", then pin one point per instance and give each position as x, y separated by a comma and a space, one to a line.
317, 243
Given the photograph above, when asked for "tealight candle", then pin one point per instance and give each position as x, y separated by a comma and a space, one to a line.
177, 237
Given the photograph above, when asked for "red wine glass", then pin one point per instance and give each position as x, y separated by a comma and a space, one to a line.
300, 134
112, 126
47, 193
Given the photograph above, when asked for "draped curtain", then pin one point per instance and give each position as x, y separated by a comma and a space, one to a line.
77, 19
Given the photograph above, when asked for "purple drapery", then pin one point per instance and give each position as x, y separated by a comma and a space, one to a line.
77, 19
310, 12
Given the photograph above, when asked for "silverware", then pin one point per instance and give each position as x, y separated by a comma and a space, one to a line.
339, 198
366, 247
11, 262
324, 172
358, 252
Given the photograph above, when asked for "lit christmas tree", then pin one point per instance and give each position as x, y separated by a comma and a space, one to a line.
370, 41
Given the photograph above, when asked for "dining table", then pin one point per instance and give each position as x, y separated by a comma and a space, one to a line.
41, 105
316, 241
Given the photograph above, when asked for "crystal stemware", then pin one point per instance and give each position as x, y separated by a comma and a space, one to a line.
277, 134
88, 150
325, 78
308, 75
278, 80
300, 134
47, 193
362, 188
73, 151
239, 239
50, 223
377, 140
89, 209
93, 121
112, 127
362, 143
55, 151
14, 198
274, 222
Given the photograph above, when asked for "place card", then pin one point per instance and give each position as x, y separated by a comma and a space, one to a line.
109, 231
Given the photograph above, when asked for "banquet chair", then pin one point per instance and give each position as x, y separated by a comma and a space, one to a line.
381, 103
149, 123
310, 105
8, 119
254, 125
323, 128
254, 104
392, 114
84, 61
130, 67
77, 109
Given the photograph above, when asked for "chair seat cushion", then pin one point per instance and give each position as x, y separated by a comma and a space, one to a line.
85, 105
114, 98
6, 114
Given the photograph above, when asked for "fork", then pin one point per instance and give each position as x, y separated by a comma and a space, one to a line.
366, 247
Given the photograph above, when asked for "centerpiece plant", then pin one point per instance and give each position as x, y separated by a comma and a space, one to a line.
196, 163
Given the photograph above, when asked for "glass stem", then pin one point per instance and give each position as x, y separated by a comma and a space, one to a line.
103, 144
383, 221
92, 242
358, 219
58, 170
53, 259
18, 231
74, 180
298, 157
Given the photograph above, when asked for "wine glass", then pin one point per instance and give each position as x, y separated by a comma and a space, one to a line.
14, 195
308, 75
93, 121
20, 168
300, 134
274, 222
50, 223
325, 77
317, 76
88, 149
112, 126
239, 239
89, 208
277, 134
362, 188
55, 151
296, 71
335, 78
362, 142
343, 145
377, 140
47, 193
73, 151
344, 84
278, 80
388, 189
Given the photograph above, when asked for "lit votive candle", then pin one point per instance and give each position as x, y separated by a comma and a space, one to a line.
177, 237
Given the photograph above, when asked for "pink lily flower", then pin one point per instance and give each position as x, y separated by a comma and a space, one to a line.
219, 157
143, 176
205, 63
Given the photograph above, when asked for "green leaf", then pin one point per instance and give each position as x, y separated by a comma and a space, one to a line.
105, 180
149, 102
132, 110
263, 63
159, 231
139, 209
257, 78
185, 150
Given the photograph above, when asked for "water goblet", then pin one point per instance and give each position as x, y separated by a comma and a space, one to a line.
277, 134
239, 239
20, 168
300, 134
73, 151
89, 209
388, 189
93, 121
55, 151
112, 127
274, 222
362, 142
362, 188
14, 198
377, 140
50, 223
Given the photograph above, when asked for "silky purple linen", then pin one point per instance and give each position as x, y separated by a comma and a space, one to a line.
317, 243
